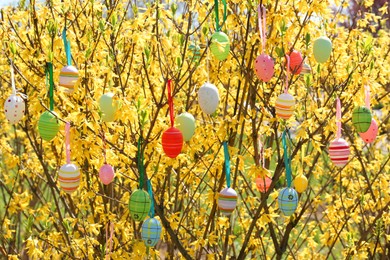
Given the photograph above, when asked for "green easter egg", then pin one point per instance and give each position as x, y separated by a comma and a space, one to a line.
48, 126
322, 48
185, 122
108, 107
220, 45
195, 51
361, 119
139, 205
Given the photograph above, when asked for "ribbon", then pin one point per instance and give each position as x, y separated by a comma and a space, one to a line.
150, 191
218, 28
109, 240
262, 24
141, 168
67, 142
13, 78
67, 47
338, 118
227, 163
367, 96
261, 149
170, 102
49, 74
287, 73
104, 147
287, 160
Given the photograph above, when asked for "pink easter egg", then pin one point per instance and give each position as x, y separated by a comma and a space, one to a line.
106, 174
339, 152
264, 67
370, 135
296, 62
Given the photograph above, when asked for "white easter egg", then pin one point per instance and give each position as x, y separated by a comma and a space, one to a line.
208, 98
14, 107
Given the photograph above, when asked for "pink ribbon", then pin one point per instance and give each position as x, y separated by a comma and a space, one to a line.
367, 96
338, 118
262, 24
67, 142
261, 148
170, 102
104, 147
287, 73
109, 240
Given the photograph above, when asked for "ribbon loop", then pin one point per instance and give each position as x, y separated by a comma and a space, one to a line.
262, 24
67, 47
170, 102
287, 73
141, 167
367, 96
216, 7
49, 73
287, 160
261, 149
13, 78
227, 163
338, 118
67, 142
150, 191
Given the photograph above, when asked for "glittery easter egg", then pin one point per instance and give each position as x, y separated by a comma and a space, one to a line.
106, 174
69, 177
296, 62
322, 49
208, 98
264, 67
361, 119
263, 183
185, 122
300, 183
288, 201
220, 45
14, 107
139, 205
108, 107
285, 106
370, 135
227, 201
69, 77
48, 126
339, 152
151, 231
172, 142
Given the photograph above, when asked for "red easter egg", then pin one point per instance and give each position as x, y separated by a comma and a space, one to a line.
370, 135
296, 62
172, 142
263, 184
264, 67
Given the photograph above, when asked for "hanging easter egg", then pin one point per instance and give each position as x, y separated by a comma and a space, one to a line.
14, 107
69, 77
151, 231
139, 205
370, 135
339, 152
288, 201
69, 177
172, 142
306, 69
220, 45
195, 52
322, 49
185, 122
208, 98
227, 201
285, 105
361, 119
263, 183
106, 174
48, 126
300, 183
108, 107
296, 62
264, 67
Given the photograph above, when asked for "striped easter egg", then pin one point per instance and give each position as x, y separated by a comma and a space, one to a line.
172, 142
48, 126
195, 52
69, 77
288, 201
339, 152
220, 45
69, 177
151, 231
14, 107
227, 201
139, 205
285, 106
361, 119
296, 62
264, 67
370, 135
208, 98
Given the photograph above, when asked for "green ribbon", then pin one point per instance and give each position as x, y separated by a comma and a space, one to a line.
150, 191
227, 163
67, 48
287, 160
49, 73
141, 167
217, 14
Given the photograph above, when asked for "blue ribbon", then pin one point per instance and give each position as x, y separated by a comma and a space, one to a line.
67, 47
287, 160
150, 191
227, 163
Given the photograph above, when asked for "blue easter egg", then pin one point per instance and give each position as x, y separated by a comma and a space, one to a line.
151, 231
288, 201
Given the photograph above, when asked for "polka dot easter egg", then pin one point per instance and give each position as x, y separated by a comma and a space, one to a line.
151, 231
264, 67
288, 201
339, 152
69, 77
370, 135
284, 106
361, 119
208, 98
106, 174
220, 45
14, 108
227, 201
69, 177
139, 205
172, 142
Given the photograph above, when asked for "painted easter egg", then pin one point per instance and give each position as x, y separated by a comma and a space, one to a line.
185, 122
108, 107
14, 107
48, 126
139, 205
208, 98
288, 201
306, 69
322, 49
106, 174
339, 152
69, 77
300, 183
264, 67
296, 62
195, 52
370, 135
151, 231
227, 201
172, 142
285, 105
361, 119
69, 177
263, 183
220, 45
